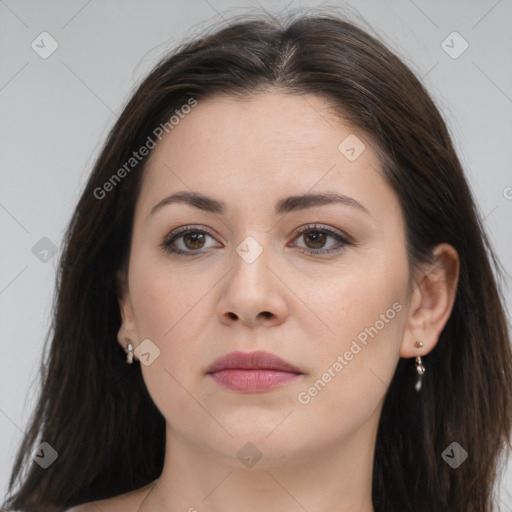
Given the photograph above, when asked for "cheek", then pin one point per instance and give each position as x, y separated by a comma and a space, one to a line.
172, 309
365, 312
167, 308
355, 299
353, 371
165, 301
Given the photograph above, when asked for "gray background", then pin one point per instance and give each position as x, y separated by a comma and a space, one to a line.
56, 112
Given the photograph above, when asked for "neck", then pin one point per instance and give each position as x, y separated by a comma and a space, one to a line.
325, 479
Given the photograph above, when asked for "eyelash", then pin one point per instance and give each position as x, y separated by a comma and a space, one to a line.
167, 242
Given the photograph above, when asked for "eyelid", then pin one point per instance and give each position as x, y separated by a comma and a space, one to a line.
321, 227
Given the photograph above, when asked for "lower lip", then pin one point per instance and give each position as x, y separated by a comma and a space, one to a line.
252, 381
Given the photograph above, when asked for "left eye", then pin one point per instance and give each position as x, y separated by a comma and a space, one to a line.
316, 238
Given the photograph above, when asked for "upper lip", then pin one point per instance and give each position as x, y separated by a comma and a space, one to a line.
258, 360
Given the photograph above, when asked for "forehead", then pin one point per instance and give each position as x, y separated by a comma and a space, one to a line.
272, 125
255, 149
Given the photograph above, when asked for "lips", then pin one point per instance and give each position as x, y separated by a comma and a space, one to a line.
252, 372
258, 360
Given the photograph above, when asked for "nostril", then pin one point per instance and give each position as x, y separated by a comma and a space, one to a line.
232, 316
266, 314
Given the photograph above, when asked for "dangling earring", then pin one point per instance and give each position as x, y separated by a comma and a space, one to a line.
129, 353
420, 369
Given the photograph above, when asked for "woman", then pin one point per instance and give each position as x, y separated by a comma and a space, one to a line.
276, 294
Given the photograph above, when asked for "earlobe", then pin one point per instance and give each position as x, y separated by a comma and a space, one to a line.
129, 349
431, 301
124, 335
127, 331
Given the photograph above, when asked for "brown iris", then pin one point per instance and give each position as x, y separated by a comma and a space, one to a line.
194, 240
317, 238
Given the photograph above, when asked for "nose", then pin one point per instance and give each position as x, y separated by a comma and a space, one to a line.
253, 295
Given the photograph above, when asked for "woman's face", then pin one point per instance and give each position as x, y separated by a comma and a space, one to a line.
321, 284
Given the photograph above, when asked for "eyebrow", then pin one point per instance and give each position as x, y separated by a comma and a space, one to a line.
284, 205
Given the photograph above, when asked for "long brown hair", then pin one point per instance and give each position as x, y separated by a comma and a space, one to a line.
95, 411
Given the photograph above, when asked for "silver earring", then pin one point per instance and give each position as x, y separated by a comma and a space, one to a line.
420, 369
129, 353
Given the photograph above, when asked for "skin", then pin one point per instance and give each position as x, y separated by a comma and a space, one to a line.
316, 456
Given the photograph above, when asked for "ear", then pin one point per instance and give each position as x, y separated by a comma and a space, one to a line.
127, 332
431, 301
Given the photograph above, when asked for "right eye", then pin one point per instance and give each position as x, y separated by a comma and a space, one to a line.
187, 240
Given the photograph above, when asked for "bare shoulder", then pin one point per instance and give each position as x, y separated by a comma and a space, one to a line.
110, 505
128, 502
85, 507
